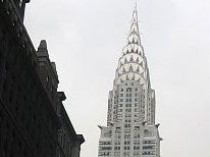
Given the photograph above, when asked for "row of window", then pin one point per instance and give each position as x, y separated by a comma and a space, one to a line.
130, 105
128, 89
127, 153
136, 128
148, 147
105, 148
130, 95
149, 153
104, 153
129, 110
129, 100
135, 153
126, 148
127, 125
149, 142
105, 143
136, 136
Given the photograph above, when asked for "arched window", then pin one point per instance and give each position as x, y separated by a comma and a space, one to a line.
147, 133
129, 90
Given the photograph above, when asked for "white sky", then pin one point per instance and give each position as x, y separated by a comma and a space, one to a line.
85, 39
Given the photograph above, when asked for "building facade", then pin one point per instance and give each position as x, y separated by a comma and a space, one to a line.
131, 130
33, 121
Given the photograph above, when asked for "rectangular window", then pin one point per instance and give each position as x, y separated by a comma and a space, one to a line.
136, 147
128, 105
129, 95
127, 125
128, 100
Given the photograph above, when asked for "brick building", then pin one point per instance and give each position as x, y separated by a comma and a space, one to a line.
33, 121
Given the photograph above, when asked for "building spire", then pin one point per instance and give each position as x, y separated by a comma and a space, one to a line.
135, 12
134, 35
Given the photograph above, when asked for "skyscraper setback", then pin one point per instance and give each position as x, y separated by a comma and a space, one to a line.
131, 130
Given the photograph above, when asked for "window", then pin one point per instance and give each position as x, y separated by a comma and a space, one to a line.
117, 131
127, 125
116, 153
149, 142
127, 120
127, 142
147, 133
127, 136
137, 136
128, 100
136, 153
126, 153
136, 142
128, 90
126, 148
147, 147
128, 95
128, 115
128, 105
136, 147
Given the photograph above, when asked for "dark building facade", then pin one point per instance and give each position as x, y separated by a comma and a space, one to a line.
33, 121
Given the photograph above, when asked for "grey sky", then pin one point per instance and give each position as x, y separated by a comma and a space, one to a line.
85, 39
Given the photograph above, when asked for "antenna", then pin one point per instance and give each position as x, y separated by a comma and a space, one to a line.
135, 4
135, 11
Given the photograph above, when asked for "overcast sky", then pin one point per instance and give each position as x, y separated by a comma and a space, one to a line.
85, 39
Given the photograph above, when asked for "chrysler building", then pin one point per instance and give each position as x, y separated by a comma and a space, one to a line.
131, 130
